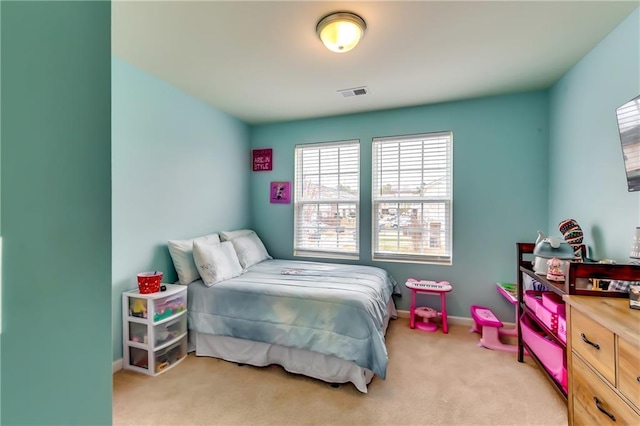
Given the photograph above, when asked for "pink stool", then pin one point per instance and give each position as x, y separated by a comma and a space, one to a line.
426, 314
485, 322
428, 287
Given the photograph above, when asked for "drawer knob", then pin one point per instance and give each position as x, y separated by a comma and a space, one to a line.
599, 407
584, 339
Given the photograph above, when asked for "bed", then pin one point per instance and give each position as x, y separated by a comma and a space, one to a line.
322, 320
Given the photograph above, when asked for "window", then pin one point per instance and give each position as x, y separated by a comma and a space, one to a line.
412, 195
327, 197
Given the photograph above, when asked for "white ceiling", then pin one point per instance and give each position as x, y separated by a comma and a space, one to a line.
262, 61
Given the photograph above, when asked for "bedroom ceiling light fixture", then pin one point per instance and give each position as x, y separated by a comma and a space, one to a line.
341, 31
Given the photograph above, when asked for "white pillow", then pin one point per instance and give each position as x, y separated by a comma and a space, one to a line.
230, 235
182, 254
250, 250
216, 262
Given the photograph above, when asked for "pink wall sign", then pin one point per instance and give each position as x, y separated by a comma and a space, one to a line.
280, 192
262, 159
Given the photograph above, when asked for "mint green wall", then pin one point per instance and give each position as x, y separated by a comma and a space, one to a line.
587, 178
56, 213
0, 201
500, 187
180, 170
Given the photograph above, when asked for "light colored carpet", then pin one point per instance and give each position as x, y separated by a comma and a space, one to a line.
432, 379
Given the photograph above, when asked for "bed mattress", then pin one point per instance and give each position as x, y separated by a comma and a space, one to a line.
298, 361
330, 309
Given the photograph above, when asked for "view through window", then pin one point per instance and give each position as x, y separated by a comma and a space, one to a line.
327, 196
412, 193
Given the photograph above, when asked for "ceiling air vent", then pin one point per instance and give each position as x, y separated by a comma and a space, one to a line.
356, 91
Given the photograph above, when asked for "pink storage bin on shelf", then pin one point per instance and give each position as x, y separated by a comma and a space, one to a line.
534, 301
554, 303
550, 354
547, 317
562, 329
532, 298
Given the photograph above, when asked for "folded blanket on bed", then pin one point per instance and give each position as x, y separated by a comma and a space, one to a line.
332, 309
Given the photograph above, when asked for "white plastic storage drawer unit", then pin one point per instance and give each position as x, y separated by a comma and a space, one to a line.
154, 328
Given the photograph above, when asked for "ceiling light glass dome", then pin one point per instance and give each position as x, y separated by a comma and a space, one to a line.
341, 31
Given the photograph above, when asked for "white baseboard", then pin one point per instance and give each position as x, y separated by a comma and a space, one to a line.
450, 319
117, 364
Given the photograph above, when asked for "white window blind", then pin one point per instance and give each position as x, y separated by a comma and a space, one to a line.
629, 127
326, 198
412, 197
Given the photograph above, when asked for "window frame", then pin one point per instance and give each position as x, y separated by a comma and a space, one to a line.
446, 200
299, 203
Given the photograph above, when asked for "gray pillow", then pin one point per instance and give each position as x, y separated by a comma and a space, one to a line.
182, 255
216, 262
250, 250
230, 235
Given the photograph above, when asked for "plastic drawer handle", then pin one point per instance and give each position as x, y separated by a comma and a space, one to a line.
584, 339
599, 406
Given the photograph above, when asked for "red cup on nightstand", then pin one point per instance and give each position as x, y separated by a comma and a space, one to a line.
149, 282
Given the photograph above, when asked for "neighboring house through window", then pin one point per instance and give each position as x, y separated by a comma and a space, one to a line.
327, 197
412, 197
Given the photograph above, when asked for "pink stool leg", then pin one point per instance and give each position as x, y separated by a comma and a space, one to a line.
412, 310
491, 340
443, 302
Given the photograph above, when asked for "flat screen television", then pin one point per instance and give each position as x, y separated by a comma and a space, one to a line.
628, 116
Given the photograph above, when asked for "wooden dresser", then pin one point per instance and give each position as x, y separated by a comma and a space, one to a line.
579, 282
603, 347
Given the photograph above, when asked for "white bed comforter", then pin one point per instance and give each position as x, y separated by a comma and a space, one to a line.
332, 309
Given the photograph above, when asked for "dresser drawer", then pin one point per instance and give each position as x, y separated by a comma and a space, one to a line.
629, 371
595, 344
589, 393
